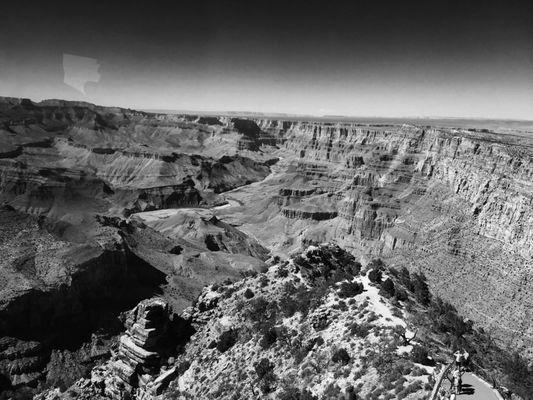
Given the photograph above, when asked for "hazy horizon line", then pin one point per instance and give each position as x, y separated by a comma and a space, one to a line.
274, 113
267, 113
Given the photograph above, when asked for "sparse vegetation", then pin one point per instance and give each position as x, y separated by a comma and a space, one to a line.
440, 317
387, 288
364, 342
266, 378
360, 330
350, 289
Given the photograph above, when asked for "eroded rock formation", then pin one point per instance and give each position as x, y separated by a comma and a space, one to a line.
140, 366
88, 194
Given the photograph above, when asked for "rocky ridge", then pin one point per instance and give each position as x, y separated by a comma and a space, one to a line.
311, 326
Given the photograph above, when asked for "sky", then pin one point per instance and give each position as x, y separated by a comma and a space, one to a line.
357, 58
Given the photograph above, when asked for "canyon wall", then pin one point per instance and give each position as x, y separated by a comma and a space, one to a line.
455, 204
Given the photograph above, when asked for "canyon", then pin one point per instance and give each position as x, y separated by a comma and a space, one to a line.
102, 208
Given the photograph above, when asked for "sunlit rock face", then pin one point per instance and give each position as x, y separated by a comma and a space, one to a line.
456, 204
141, 350
392, 166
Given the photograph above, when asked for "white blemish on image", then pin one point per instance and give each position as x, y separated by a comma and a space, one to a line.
79, 71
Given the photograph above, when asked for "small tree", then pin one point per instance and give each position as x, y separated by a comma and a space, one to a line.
269, 337
375, 275
421, 289
387, 288
350, 289
401, 332
420, 355
265, 375
282, 272
356, 268
405, 278
351, 394
400, 294
341, 356
263, 367
376, 263
360, 330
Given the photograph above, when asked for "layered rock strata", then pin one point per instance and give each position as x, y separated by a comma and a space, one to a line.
140, 368
427, 198
437, 199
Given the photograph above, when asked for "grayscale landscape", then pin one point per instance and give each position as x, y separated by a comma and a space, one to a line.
218, 211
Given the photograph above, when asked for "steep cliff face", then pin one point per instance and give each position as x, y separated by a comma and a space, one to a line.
71, 160
56, 294
141, 365
439, 200
253, 137
492, 173
316, 215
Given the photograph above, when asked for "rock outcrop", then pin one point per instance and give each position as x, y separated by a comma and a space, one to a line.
21, 362
55, 294
146, 329
142, 367
140, 354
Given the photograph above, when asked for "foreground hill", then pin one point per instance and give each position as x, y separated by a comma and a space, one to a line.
317, 326
311, 327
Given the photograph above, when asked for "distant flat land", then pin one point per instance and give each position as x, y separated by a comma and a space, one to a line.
508, 126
